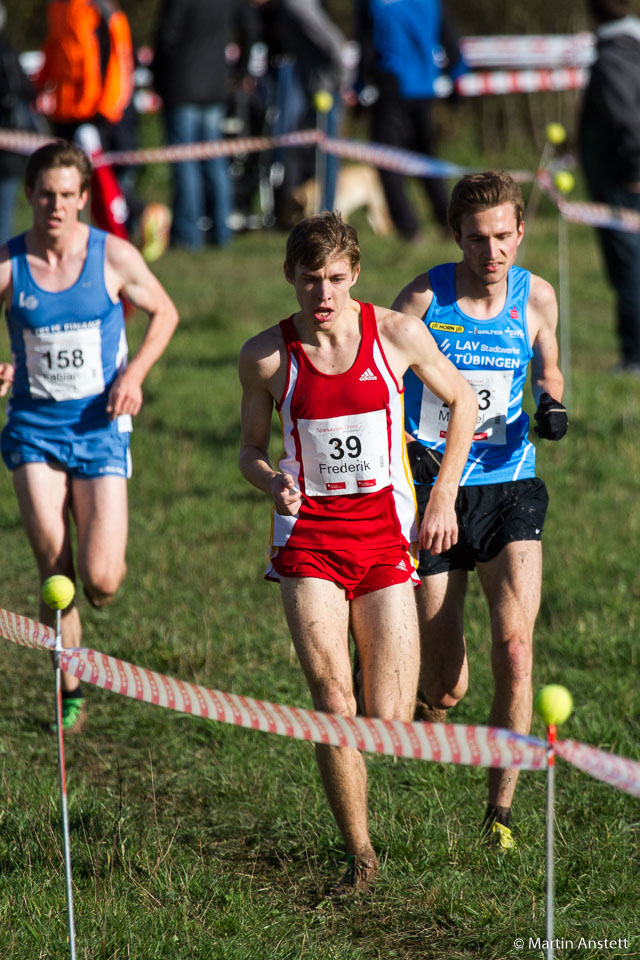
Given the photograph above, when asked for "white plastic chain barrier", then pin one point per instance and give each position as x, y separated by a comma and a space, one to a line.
444, 743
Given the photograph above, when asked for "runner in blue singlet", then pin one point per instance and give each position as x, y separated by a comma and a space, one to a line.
73, 394
492, 320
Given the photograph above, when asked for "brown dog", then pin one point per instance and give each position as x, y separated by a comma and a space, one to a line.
358, 186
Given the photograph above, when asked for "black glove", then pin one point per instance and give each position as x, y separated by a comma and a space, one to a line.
425, 462
551, 418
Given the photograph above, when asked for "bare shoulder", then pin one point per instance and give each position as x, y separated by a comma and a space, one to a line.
262, 357
122, 256
541, 294
416, 297
405, 340
397, 327
542, 308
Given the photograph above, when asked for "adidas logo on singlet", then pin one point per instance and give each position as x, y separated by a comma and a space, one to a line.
368, 375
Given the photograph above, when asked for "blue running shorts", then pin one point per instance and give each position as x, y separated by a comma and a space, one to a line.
100, 453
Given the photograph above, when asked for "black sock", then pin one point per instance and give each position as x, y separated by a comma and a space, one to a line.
496, 814
73, 694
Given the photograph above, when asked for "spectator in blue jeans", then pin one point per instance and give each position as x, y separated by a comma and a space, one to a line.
310, 60
190, 75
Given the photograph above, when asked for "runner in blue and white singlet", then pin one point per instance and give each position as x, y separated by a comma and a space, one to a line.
493, 355
73, 390
495, 322
67, 346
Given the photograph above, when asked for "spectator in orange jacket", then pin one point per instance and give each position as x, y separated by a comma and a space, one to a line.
88, 75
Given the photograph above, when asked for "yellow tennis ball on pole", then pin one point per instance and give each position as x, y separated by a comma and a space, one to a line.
555, 133
58, 592
564, 181
323, 101
553, 703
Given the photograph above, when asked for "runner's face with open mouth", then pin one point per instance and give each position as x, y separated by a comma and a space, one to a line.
323, 294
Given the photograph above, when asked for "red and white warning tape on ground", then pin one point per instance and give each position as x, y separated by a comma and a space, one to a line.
594, 214
444, 743
617, 771
447, 743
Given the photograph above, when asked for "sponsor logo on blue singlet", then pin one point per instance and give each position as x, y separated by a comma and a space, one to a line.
447, 327
29, 302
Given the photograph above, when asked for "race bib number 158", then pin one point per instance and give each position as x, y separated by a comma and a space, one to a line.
64, 365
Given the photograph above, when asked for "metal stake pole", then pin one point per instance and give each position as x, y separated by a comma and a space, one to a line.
63, 785
564, 307
321, 162
551, 769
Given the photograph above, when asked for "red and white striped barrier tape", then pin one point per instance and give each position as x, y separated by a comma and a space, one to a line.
445, 743
379, 155
21, 142
26, 632
212, 148
616, 771
393, 158
387, 158
593, 214
533, 50
520, 81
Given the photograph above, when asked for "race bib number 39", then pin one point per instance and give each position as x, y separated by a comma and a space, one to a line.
492, 388
64, 365
344, 455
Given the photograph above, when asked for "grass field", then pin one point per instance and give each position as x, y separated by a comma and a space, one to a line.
192, 840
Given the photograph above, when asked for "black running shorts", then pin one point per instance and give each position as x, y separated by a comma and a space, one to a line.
489, 516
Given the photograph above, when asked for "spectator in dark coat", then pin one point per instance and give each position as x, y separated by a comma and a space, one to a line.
16, 92
310, 63
190, 75
610, 156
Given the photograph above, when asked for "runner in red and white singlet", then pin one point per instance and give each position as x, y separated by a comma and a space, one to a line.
345, 449
344, 511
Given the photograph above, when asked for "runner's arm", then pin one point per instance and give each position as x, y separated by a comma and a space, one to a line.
7, 373
542, 312
255, 371
7, 370
439, 528
411, 341
127, 270
415, 299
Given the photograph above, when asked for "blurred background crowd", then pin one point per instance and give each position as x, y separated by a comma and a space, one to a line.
386, 71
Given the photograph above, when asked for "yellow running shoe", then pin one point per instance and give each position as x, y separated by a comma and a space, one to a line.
155, 225
500, 837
